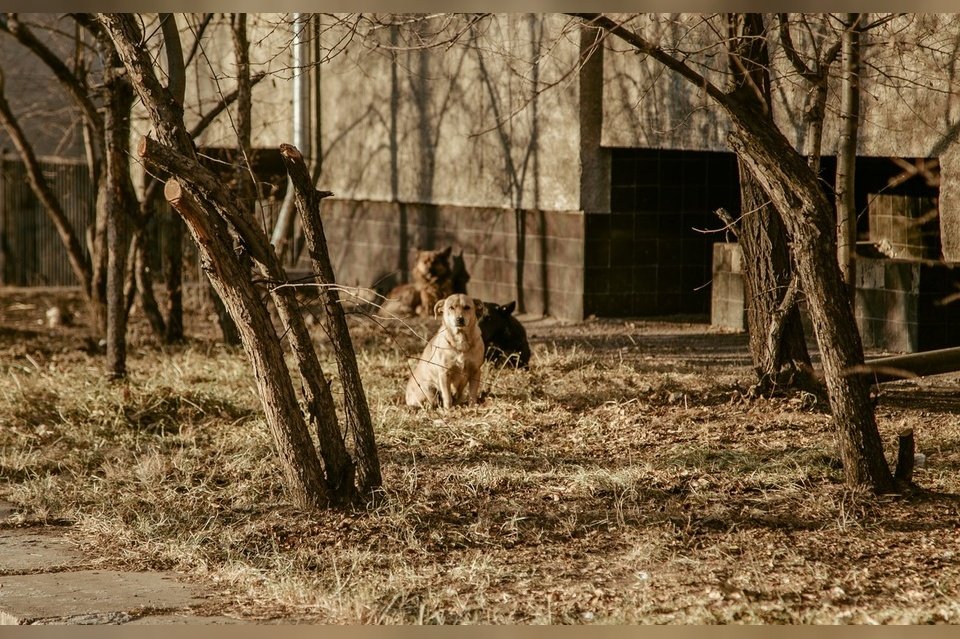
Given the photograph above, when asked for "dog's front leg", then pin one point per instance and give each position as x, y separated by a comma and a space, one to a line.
474, 387
445, 393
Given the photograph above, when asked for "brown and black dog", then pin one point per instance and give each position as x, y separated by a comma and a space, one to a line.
432, 281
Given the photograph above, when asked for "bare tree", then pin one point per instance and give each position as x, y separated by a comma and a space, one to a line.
212, 214
847, 151
814, 68
794, 189
92, 105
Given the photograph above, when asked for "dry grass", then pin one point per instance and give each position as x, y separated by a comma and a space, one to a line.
623, 479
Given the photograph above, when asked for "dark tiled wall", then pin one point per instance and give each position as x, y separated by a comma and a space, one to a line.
938, 310
534, 257
886, 304
649, 256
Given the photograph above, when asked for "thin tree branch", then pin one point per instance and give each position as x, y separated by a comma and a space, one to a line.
73, 85
641, 44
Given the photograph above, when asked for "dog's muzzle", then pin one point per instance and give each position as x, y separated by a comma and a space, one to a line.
460, 321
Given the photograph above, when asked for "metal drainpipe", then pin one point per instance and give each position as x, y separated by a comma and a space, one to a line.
301, 99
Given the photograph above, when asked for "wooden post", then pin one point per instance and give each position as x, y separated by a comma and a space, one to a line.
905, 453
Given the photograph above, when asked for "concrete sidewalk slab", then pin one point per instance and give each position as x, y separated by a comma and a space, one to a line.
31, 551
167, 620
101, 596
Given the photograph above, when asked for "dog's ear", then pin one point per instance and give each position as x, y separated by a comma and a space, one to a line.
509, 308
446, 252
481, 308
438, 308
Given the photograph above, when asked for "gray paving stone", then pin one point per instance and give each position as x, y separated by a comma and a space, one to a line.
31, 550
50, 597
166, 620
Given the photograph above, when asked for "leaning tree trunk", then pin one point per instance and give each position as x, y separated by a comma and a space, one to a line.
299, 463
808, 216
301, 469
355, 400
319, 399
777, 344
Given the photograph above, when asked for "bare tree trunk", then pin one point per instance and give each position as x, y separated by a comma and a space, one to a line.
808, 216
303, 475
172, 260
245, 184
140, 282
847, 152
777, 344
118, 206
355, 400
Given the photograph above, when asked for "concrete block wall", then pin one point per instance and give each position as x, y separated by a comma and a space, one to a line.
727, 307
893, 311
904, 226
534, 257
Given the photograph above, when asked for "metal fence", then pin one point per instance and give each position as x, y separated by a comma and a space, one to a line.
31, 252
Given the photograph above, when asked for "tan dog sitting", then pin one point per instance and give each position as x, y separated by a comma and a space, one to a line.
449, 367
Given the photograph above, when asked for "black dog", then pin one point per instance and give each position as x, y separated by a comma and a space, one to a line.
504, 337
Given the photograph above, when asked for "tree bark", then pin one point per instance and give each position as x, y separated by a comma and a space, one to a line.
847, 151
172, 261
308, 201
777, 345
119, 205
303, 476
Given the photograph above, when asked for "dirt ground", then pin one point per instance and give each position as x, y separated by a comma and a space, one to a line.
626, 478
